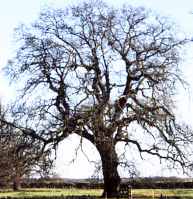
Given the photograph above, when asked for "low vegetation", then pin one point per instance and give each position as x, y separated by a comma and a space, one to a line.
137, 193
170, 193
49, 193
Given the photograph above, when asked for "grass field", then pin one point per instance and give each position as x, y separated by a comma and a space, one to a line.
155, 193
50, 192
137, 193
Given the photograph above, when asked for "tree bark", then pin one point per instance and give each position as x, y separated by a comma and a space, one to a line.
110, 173
17, 183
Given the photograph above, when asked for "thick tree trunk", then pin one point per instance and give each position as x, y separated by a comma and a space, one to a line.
17, 183
109, 165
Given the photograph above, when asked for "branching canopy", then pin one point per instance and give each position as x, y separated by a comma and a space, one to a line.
98, 72
20, 155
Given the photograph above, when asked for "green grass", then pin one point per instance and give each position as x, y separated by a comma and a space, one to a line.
150, 193
137, 193
50, 192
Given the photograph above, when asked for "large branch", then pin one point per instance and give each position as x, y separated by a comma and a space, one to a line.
180, 158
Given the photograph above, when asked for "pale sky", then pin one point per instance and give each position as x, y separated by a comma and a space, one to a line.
14, 12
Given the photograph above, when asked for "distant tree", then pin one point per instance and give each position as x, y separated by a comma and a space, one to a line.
99, 72
20, 156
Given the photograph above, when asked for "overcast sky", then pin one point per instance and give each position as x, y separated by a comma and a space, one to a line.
14, 12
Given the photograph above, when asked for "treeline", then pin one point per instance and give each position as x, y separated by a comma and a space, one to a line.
160, 183
137, 183
62, 183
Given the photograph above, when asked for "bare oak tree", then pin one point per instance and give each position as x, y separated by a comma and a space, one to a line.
20, 155
99, 72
